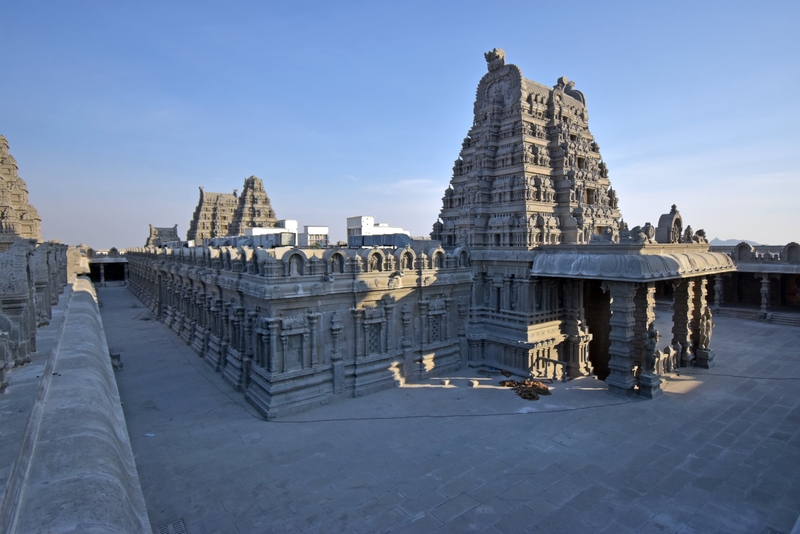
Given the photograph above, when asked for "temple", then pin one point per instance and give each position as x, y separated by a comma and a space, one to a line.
224, 214
529, 271
529, 172
529, 268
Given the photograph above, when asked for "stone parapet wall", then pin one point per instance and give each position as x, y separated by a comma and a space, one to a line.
32, 275
75, 471
295, 328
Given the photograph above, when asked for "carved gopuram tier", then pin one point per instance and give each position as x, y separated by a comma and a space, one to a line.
17, 217
254, 209
225, 214
529, 172
213, 215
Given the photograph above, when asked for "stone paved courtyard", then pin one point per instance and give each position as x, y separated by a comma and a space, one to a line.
718, 452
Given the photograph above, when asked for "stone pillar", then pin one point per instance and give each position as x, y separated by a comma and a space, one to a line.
764, 295
523, 293
102, 275
461, 331
423, 320
620, 379
699, 309
247, 357
357, 316
645, 303
389, 309
719, 288
125, 277
407, 342
683, 313
275, 365
337, 362
313, 320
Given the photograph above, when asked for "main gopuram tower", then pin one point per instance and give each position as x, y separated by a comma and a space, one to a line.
529, 172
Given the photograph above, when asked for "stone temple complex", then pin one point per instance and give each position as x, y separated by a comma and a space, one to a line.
224, 214
529, 271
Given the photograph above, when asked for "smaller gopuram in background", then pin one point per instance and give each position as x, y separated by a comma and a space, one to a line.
225, 214
160, 236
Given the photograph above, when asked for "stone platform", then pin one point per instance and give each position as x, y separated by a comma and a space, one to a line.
718, 451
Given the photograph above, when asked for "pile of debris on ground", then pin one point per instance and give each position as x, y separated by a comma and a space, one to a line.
527, 389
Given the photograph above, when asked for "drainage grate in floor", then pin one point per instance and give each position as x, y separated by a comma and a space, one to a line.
176, 527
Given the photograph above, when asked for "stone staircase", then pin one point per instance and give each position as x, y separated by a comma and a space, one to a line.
789, 319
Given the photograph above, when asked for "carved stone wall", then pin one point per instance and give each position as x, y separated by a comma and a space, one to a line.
31, 278
296, 328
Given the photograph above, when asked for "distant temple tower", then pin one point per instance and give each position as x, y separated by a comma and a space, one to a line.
213, 215
17, 217
529, 172
160, 236
254, 210
224, 214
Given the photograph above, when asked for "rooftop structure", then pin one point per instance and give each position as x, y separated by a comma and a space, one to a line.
162, 235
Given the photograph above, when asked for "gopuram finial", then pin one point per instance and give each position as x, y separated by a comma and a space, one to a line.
495, 59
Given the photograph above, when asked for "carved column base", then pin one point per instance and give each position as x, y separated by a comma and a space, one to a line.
620, 387
649, 385
704, 358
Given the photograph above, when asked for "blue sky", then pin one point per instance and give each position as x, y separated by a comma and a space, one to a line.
117, 111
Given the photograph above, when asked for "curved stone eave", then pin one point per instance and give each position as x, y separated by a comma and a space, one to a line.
632, 267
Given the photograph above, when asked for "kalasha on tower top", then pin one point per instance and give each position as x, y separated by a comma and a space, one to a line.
529, 172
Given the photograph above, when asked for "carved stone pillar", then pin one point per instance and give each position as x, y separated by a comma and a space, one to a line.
645, 303
423, 319
357, 318
336, 355
284, 346
620, 379
226, 334
448, 305
405, 317
275, 365
683, 307
389, 310
719, 288
461, 331
247, 360
523, 293
313, 321
474, 350
699, 308
764, 294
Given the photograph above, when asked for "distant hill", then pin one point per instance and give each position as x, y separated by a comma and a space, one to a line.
731, 242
